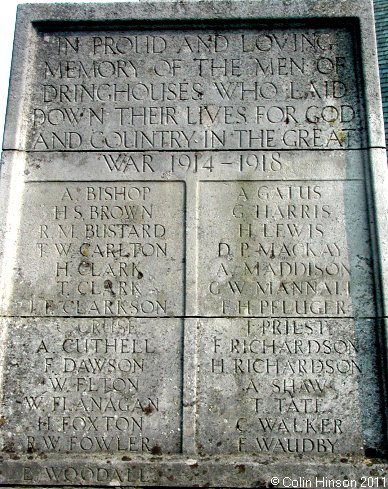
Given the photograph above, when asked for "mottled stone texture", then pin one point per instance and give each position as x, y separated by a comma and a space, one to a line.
381, 22
193, 247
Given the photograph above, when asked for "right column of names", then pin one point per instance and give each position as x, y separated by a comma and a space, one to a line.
286, 288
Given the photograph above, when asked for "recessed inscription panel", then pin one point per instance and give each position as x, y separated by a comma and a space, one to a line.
248, 88
101, 249
286, 386
107, 386
284, 248
190, 275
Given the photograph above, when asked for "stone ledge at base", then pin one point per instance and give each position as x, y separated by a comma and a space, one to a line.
175, 472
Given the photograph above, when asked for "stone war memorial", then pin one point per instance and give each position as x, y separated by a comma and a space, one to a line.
193, 257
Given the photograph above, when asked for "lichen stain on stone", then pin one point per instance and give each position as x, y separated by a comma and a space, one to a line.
85, 249
370, 461
108, 285
341, 137
2, 420
148, 410
8, 447
156, 450
262, 484
240, 468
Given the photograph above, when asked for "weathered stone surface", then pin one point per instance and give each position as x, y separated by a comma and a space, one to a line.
178, 90
285, 248
93, 376
271, 385
108, 248
193, 247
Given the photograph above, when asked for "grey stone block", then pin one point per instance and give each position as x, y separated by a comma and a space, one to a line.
193, 247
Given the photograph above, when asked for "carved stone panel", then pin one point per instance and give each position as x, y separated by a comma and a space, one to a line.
193, 247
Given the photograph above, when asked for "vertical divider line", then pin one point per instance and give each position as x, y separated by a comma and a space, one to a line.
189, 347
